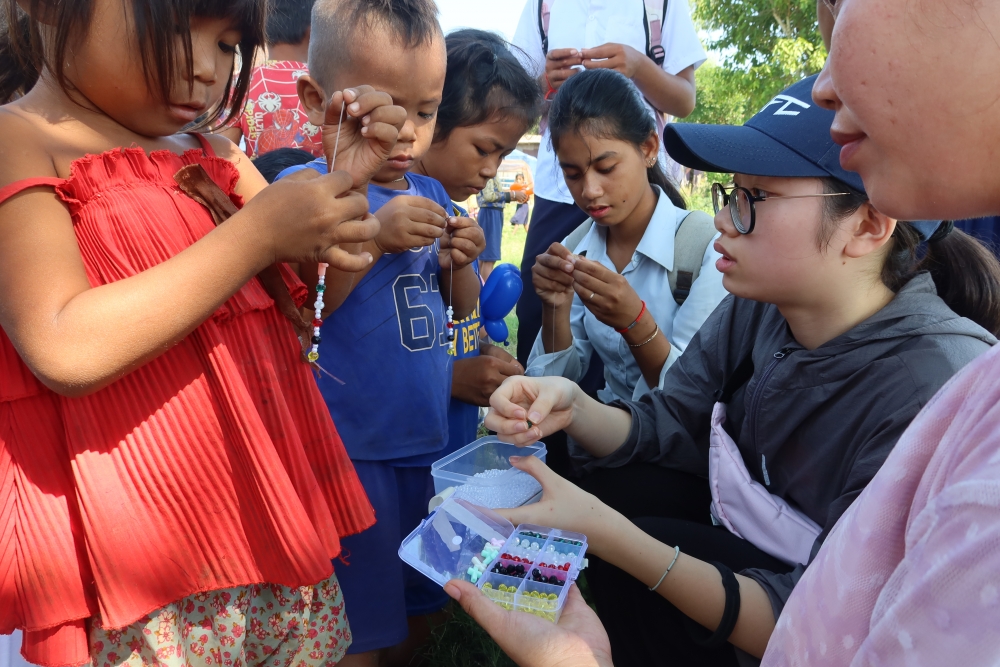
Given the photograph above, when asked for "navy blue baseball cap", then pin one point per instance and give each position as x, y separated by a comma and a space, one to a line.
789, 137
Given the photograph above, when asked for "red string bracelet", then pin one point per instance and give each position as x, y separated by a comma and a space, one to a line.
637, 318
551, 90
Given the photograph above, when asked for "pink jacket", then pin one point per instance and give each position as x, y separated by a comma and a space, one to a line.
910, 574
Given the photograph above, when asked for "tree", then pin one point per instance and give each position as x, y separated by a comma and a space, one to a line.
764, 46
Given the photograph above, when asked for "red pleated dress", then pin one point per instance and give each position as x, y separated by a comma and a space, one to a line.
214, 465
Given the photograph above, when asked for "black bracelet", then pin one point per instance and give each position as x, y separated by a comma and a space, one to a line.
730, 613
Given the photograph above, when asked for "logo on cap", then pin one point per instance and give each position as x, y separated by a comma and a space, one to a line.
785, 108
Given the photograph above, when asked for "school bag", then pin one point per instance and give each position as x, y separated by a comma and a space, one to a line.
653, 14
695, 232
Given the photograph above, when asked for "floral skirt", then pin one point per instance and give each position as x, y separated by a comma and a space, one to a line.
263, 624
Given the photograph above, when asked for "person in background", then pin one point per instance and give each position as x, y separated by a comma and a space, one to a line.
492, 200
272, 163
562, 37
520, 217
489, 101
608, 290
272, 117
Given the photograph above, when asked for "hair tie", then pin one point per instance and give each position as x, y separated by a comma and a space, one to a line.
945, 228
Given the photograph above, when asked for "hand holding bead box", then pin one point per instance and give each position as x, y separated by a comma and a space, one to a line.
527, 568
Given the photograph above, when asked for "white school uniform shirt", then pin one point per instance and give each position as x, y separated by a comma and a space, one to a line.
647, 274
584, 24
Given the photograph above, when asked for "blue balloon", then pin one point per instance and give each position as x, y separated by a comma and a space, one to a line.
497, 330
497, 298
501, 292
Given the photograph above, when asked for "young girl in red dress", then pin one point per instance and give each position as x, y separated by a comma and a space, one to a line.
172, 488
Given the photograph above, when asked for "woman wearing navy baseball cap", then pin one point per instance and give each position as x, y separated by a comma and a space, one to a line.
708, 498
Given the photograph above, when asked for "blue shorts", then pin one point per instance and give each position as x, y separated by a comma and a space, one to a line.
380, 590
491, 220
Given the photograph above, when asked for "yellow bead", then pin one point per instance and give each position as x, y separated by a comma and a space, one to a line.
487, 586
312, 356
552, 596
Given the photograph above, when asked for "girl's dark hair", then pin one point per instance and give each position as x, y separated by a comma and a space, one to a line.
157, 26
484, 81
605, 103
965, 272
288, 21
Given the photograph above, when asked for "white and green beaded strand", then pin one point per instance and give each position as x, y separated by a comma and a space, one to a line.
318, 306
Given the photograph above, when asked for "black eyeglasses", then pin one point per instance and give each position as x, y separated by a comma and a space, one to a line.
744, 214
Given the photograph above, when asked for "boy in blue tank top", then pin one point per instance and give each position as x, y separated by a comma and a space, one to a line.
386, 340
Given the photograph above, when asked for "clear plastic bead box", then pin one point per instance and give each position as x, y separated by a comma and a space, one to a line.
481, 474
443, 546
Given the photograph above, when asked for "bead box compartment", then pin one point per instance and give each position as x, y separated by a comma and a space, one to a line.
481, 473
443, 546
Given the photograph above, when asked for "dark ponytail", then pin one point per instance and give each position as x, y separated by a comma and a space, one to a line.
965, 272
967, 276
606, 103
484, 82
18, 67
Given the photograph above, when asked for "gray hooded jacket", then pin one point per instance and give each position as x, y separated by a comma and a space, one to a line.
814, 426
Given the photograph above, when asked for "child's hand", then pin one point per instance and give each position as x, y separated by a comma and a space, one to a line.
367, 133
476, 378
552, 276
409, 222
606, 293
462, 242
547, 402
306, 220
520, 196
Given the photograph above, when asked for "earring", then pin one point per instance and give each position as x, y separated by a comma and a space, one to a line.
651, 163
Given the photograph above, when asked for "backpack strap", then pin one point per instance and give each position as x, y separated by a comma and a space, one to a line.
695, 232
653, 16
543, 25
740, 376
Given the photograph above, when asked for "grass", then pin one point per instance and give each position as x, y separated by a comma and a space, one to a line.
511, 249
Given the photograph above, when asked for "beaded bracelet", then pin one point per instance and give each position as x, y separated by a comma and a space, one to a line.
656, 332
637, 318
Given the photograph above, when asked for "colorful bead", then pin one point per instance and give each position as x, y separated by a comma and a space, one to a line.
318, 305
451, 331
